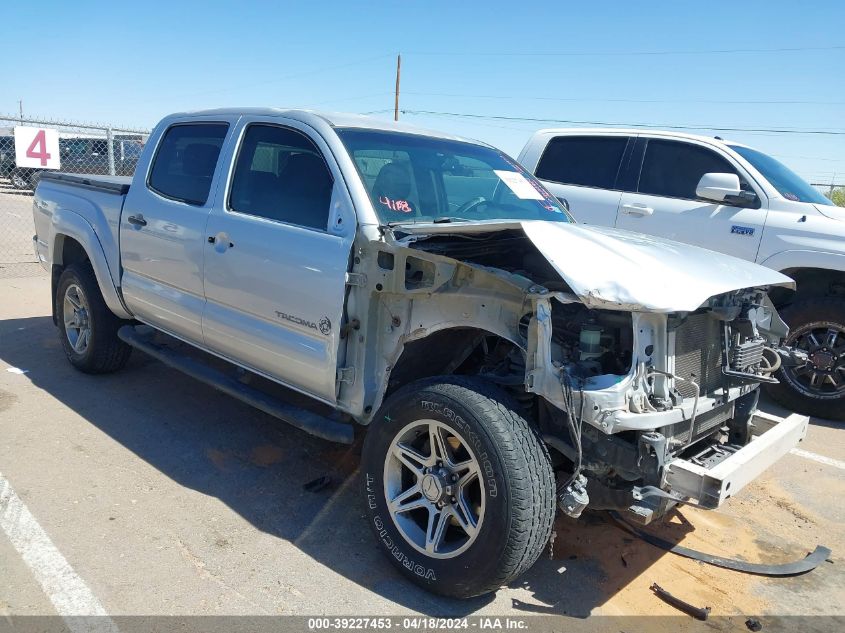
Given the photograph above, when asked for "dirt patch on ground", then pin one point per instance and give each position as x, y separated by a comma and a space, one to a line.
764, 524
7, 399
630, 565
266, 455
218, 458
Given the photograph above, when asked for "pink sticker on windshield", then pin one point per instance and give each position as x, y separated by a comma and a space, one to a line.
400, 206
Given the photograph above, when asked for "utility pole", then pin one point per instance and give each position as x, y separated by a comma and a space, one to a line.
396, 101
20, 108
832, 180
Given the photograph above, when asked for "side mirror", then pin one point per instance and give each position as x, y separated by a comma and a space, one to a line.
564, 203
717, 187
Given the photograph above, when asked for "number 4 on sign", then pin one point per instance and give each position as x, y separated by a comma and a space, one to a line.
38, 148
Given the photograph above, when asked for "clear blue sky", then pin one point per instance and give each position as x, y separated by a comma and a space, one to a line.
132, 62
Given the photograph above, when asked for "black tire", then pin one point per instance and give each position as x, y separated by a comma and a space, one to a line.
518, 484
792, 392
104, 352
20, 180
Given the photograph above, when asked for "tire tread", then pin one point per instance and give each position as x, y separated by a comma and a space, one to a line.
828, 308
109, 353
528, 470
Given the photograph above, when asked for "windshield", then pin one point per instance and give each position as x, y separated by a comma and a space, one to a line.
790, 185
413, 178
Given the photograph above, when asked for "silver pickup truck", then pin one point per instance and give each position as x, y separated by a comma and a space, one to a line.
505, 360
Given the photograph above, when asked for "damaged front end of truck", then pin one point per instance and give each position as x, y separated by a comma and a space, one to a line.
638, 360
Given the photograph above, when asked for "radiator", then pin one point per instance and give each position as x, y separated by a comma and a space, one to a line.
698, 355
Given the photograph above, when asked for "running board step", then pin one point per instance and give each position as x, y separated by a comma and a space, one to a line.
302, 419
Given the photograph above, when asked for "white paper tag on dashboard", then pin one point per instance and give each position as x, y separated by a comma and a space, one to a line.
517, 183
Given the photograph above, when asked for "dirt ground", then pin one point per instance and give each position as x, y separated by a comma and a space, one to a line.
166, 497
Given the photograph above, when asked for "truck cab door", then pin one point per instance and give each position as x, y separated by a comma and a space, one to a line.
662, 200
586, 171
162, 226
277, 250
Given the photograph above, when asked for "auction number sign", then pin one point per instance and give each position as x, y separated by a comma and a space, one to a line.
37, 147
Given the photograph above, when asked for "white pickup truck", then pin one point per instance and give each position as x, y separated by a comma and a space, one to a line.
504, 360
730, 198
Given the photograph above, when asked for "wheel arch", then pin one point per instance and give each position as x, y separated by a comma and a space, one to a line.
445, 351
810, 282
457, 345
75, 242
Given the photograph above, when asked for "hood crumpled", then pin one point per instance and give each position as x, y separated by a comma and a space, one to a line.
611, 268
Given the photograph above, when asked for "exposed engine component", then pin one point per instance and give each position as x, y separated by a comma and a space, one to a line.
746, 355
591, 342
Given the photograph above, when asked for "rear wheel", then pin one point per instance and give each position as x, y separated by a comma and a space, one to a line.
459, 487
817, 327
88, 329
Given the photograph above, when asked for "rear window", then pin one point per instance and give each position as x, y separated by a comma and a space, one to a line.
184, 163
589, 161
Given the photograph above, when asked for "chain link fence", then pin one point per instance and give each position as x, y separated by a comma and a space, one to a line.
833, 191
43, 145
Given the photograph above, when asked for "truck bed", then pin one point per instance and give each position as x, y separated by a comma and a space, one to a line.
96, 201
111, 184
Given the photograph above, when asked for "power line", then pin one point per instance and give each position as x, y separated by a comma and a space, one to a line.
617, 124
829, 160
593, 100
716, 51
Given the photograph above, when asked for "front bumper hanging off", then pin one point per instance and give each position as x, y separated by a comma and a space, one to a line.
713, 480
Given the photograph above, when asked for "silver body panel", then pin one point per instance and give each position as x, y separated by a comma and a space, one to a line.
274, 300
274, 297
162, 280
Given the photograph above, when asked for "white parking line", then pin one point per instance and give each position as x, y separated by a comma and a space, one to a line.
821, 459
69, 594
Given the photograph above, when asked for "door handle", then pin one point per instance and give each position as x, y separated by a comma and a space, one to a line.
637, 210
213, 240
137, 220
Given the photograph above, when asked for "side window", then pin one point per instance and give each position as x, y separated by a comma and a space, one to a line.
281, 175
590, 161
673, 169
185, 160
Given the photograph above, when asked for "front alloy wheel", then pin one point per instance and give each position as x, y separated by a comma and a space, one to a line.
459, 487
434, 492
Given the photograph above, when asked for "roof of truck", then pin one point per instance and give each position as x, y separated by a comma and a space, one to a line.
640, 131
335, 119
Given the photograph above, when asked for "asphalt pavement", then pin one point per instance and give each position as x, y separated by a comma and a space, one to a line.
144, 492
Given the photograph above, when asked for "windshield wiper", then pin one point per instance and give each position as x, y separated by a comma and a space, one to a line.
443, 219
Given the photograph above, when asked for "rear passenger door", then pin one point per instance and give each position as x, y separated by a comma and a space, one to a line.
586, 171
277, 250
162, 226
664, 201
